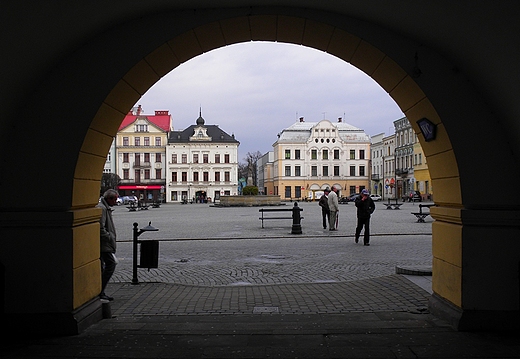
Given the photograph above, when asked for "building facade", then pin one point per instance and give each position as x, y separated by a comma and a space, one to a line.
141, 149
405, 139
422, 179
389, 176
311, 156
264, 168
202, 163
376, 175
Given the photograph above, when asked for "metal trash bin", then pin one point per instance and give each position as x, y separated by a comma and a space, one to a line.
149, 254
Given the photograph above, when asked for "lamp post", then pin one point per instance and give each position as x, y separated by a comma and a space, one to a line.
137, 233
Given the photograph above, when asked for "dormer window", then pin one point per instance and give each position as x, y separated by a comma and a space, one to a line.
141, 128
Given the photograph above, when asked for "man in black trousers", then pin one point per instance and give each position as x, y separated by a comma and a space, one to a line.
365, 207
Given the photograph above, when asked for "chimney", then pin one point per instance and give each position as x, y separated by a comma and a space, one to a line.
340, 119
301, 119
139, 109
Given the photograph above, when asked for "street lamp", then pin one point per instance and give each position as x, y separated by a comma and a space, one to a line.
137, 233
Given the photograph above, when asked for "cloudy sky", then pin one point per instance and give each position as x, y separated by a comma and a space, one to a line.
254, 90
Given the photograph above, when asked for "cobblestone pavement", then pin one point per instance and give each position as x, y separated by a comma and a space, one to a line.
229, 264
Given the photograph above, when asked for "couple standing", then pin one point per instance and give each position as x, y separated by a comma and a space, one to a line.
330, 209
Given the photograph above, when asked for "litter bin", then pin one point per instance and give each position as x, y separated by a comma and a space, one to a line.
149, 254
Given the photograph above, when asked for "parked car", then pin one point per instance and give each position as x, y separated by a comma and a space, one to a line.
343, 200
119, 201
352, 197
375, 197
129, 199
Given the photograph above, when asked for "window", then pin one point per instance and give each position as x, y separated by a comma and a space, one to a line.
174, 158
226, 176
157, 141
125, 141
297, 171
297, 191
288, 171
217, 176
352, 189
352, 154
137, 141
125, 157
174, 176
137, 174
147, 141
195, 158
158, 173
362, 154
325, 170
336, 170
126, 174
287, 154
217, 158
158, 157
184, 176
287, 191
184, 158
325, 154
205, 158
226, 158
361, 170
314, 154
137, 158
297, 154
336, 154
141, 128
205, 176
147, 157
352, 170
314, 170
147, 174
195, 177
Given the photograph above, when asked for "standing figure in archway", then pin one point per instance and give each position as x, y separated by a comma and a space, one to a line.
107, 240
365, 207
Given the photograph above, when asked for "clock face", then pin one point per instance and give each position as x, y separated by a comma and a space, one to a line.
428, 129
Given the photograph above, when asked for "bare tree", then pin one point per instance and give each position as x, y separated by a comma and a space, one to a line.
109, 181
251, 160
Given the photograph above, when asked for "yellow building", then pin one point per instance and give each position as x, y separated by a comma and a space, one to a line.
311, 156
422, 179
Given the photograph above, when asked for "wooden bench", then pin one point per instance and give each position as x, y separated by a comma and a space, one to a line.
422, 215
295, 216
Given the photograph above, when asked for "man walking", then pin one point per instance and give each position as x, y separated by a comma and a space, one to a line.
334, 209
365, 207
324, 204
107, 240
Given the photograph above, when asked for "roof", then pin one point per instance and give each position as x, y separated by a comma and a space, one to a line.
302, 131
161, 119
213, 131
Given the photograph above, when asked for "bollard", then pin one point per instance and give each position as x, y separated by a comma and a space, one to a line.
296, 216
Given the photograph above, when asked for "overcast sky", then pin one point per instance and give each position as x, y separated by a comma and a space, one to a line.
254, 90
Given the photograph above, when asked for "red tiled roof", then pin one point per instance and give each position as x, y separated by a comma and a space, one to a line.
161, 119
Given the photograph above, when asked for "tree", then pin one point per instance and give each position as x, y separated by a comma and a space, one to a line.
251, 160
109, 181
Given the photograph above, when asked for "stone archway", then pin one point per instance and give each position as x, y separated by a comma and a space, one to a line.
106, 86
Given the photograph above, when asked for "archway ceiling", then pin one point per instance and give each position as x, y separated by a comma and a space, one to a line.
479, 40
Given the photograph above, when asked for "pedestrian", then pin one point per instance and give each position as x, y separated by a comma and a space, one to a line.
365, 207
332, 201
324, 204
107, 240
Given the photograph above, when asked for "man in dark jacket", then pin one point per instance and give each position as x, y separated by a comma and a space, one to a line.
365, 207
107, 240
325, 211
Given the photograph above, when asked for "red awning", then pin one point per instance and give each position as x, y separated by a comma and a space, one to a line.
141, 187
